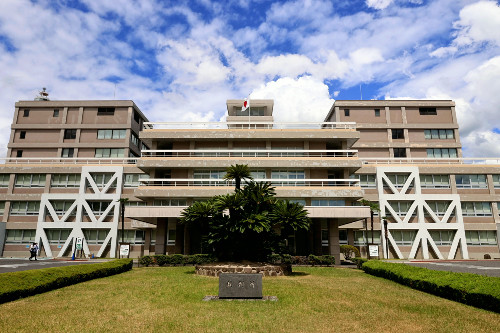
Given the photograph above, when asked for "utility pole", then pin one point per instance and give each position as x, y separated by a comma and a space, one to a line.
122, 202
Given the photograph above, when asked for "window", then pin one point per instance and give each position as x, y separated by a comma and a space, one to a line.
26, 113
289, 152
435, 181
324, 232
135, 203
57, 236
401, 207
109, 152
62, 206
399, 152
360, 238
132, 179
24, 207
471, 181
111, 134
258, 174
137, 117
170, 202
347, 112
476, 208
288, 174
55, 113
65, 180
442, 152
144, 147
398, 133
442, 237
254, 111
102, 179
367, 181
19, 236
67, 152
30, 180
403, 237
296, 200
19, 153
209, 174
327, 202
97, 236
98, 207
105, 111
398, 180
171, 236
496, 181
4, 179
2, 207
481, 237
22, 135
377, 112
343, 237
70, 134
427, 111
439, 134
134, 139
132, 236
438, 207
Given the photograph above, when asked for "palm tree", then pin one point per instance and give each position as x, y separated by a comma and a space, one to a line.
238, 172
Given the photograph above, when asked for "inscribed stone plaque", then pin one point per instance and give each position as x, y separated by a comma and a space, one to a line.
240, 285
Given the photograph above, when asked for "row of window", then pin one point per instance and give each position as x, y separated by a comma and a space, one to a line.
433, 181
68, 180
469, 208
422, 111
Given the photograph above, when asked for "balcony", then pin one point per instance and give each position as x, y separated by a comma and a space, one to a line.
248, 125
255, 158
202, 188
345, 214
432, 160
69, 160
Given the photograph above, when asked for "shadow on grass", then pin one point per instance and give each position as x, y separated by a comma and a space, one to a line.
299, 274
189, 272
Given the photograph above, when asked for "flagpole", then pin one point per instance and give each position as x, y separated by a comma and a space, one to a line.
248, 111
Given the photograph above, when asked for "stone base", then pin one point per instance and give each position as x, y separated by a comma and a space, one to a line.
266, 270
264, 298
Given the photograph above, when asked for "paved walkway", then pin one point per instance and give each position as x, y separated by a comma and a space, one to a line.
482, 267
22, 264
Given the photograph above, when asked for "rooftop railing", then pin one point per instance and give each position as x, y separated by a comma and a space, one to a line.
249, 153
171, 182
69, 160
249, 125
432, 160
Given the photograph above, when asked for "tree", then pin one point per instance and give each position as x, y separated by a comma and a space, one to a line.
244, 224
238, 172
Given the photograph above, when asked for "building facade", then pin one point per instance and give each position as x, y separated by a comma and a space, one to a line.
70, 162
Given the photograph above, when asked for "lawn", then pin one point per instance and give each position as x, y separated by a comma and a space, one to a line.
312, 300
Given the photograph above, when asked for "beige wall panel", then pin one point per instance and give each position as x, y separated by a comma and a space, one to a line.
37, 136
373, 136
243, 144
436, 190
444, 115
415, 152
72, 117
478, 219
416, 135
363, 115
27, 190
373, 152
180, 173
86, 152
396, 115
318, 174
211, 144
462, 191
39, 116
91, 136
280, 144
90, 116
37, 152
180, 145
63, 190
317, 145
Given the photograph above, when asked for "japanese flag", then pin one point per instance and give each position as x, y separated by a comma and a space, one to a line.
246, 104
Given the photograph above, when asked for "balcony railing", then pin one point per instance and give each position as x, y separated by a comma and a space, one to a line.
431, 160
178, 182
69, 160
249, 153
249, 125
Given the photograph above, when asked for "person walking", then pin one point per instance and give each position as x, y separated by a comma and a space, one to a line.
33, 251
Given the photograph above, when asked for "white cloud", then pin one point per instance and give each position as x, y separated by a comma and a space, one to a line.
478, 22
303, 99
443, 51
378, 4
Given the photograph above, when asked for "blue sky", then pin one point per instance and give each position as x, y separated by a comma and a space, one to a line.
181, 60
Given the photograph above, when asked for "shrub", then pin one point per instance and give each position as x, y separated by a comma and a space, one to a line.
327, 260
274, 258
349, 251
314, 260
16, 285
359, 261
176, 259
472, 289
179, 259
146, 261
161, 260
286, 259
300, 260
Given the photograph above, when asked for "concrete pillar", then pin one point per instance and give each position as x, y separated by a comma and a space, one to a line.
187, 240
2, 236
147, 241
161, 230
316, 230
333, 239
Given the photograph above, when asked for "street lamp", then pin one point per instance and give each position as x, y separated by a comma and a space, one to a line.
122, 202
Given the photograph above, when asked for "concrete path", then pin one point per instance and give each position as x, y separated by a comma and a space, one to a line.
23, 264
482, 267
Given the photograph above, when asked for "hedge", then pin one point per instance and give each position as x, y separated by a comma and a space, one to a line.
471, 289
176, 259
325, 260
21, 284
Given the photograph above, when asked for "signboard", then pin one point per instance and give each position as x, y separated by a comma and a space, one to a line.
124, 250
373, 250
79, 243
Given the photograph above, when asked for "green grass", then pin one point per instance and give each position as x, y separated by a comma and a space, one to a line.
312, 300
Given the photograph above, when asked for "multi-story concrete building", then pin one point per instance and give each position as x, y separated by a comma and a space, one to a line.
405, 155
